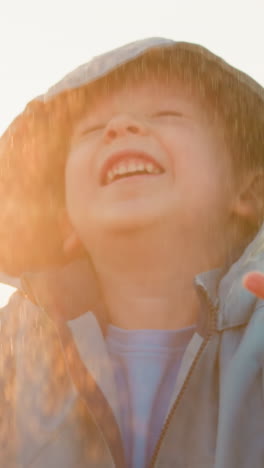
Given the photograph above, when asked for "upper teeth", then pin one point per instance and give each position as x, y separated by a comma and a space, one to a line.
131, 166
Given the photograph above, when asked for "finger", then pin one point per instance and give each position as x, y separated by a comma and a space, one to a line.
254, 282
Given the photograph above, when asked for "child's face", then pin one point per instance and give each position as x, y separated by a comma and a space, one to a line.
145, 155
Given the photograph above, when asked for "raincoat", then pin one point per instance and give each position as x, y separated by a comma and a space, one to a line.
58, 397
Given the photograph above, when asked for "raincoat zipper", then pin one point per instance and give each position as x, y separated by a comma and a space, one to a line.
212, 325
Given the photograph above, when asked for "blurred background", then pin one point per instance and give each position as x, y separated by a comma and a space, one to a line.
42, 41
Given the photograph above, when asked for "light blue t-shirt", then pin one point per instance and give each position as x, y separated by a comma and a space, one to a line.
146, 364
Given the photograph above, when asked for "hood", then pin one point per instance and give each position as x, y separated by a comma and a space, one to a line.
66, 293
105, 63
29, 235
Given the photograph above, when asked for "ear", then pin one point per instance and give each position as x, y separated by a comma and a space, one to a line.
249, 199
71, 243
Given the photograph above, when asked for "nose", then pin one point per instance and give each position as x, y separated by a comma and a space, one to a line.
123, 125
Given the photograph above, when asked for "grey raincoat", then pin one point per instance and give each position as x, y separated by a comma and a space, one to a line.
58, 397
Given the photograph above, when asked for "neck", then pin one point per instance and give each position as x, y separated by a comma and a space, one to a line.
148, 284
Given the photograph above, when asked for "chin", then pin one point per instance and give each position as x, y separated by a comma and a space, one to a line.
126, 218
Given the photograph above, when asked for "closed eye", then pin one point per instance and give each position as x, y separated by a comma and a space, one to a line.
166, 113
88, 130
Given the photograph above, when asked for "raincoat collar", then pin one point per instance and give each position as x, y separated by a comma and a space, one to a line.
73, 290
224, 290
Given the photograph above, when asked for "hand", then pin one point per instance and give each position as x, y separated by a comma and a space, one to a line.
254, 282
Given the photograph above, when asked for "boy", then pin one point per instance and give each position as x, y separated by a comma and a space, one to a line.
143, 170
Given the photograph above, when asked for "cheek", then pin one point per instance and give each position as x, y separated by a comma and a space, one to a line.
197, 175
78, 183
184, 147
71, 189
79, 168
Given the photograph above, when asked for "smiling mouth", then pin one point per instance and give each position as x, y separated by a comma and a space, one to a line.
129, 164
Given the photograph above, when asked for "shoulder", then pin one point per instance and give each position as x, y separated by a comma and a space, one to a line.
35, 390
31, 352
27, 337
13, 318
17, 314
